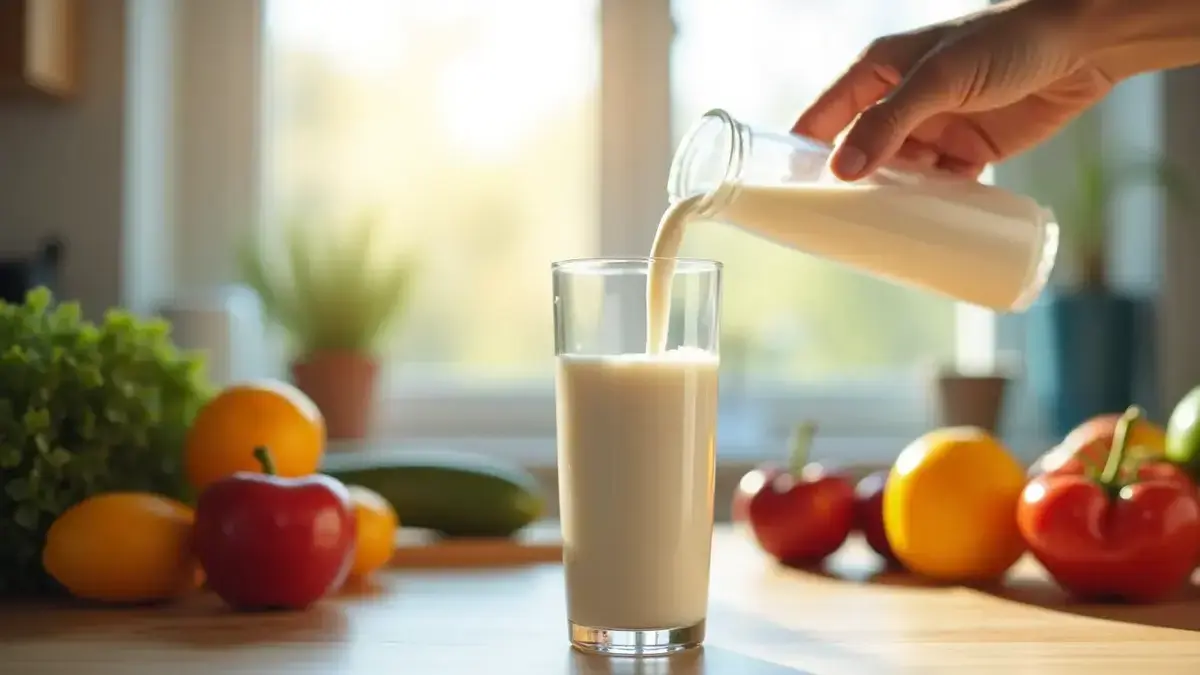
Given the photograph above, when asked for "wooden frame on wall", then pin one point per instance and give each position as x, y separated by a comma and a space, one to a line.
38, 48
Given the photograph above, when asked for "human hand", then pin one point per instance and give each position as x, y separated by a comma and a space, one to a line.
961, 94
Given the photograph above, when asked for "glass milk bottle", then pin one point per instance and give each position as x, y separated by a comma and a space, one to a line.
945, 234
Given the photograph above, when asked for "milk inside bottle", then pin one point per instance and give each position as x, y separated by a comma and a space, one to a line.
944, 234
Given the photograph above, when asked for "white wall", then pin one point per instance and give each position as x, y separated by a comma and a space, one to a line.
108, 171
61, 166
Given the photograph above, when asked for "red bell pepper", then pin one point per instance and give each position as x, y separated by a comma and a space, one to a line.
1123, 533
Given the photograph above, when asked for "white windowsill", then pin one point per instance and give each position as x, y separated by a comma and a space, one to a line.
539, 452
537, 455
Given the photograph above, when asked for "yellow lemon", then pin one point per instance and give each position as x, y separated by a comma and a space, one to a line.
123, 547
950, 506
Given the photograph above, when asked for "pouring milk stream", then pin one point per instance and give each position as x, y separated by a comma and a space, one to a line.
636, 496
955, 237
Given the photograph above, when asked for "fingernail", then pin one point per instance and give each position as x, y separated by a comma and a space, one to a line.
849, 162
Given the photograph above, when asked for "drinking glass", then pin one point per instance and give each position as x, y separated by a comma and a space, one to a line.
636, 448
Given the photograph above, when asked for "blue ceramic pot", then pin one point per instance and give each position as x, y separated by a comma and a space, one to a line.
1082, 349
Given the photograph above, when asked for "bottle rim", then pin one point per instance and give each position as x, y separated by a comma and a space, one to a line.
733, 141
1041, 265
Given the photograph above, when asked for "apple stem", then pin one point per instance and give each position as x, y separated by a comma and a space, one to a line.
264, 458
1116, 454
802, 438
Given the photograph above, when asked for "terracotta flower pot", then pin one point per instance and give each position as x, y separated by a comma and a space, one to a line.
971, 400
342, 384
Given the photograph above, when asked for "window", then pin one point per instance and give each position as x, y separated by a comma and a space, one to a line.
789, 316
477, 128
471, 127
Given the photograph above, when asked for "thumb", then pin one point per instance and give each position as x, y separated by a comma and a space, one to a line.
928, 89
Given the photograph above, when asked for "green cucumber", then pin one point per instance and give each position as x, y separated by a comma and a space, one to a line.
452, 493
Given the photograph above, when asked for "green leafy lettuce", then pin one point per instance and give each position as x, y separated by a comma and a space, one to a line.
84, 408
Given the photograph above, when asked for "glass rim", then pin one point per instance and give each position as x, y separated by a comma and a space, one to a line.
634, 264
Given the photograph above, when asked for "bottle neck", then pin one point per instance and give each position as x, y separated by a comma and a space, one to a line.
710, 161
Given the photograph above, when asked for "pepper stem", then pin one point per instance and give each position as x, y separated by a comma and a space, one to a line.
1116, 454
265, 460
802, 438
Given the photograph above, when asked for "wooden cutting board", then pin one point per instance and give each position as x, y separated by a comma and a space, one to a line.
422, 549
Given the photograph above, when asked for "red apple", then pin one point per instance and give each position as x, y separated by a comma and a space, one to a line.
267, 542
868, 513
804, 514
751, 483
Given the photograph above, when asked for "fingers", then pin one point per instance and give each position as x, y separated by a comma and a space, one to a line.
881, 129
919, 154
860, 86
874, 73
961, 167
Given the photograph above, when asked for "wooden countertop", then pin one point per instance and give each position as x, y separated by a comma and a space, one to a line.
764, 620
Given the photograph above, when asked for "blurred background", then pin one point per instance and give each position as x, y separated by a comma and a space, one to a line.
479, 129
487, 139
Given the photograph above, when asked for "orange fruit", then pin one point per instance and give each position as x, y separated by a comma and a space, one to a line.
242, 417
376, 523
950, 506
123, 547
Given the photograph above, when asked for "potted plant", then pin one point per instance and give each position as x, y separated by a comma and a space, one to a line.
1084, 334
336, 297
972, 394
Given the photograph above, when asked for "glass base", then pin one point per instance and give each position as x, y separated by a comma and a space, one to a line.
615, 642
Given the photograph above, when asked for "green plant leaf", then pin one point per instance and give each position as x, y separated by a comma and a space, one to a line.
337, 288
26, 516
1089, 217
18, 489
10, 457
1098, 180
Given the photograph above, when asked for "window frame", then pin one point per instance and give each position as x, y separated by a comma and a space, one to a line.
221, 182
